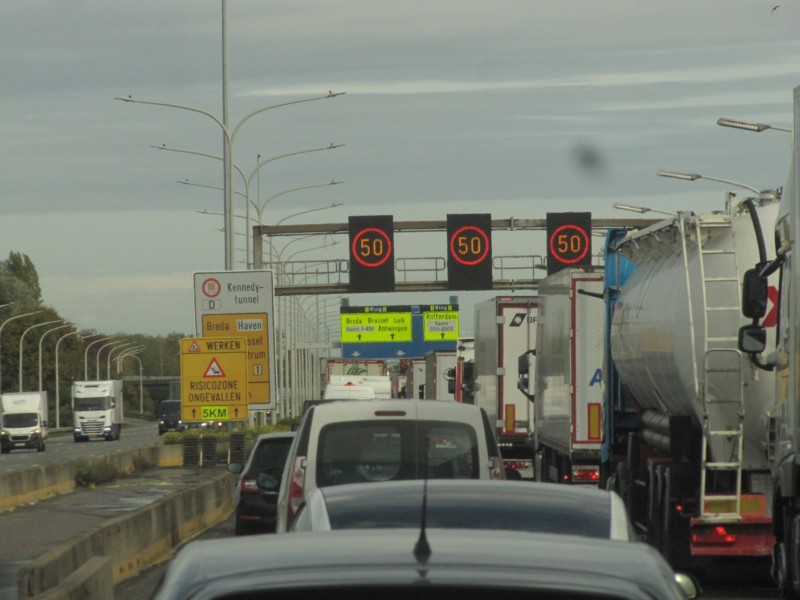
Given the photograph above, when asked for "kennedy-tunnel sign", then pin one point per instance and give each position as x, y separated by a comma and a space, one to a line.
213, 379
241, 303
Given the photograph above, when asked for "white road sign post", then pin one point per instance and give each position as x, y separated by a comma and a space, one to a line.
241, 304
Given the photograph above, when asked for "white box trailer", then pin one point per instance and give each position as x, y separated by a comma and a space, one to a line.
440, 375
351, 367
24, 421
568, 387
505, 328
415, 382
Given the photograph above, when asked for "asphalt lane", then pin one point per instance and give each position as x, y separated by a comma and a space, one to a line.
30, 531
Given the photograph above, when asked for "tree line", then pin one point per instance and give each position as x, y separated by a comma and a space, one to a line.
22, 307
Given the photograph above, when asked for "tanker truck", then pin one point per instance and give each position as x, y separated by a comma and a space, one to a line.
684, 410
781, 356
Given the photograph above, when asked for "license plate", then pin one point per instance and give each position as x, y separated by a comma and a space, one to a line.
19, 445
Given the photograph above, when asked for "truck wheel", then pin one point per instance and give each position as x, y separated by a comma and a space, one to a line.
41, 447
5, 450
789, 559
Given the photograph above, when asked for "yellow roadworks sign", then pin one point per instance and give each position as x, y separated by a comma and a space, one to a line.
214, 376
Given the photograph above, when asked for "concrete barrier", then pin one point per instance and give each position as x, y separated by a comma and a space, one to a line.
39, 483
131, 543
91, 580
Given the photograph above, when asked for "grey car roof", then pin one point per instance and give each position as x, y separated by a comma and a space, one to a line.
515, 505
506, 560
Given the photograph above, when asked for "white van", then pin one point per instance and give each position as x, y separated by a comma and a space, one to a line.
382, 440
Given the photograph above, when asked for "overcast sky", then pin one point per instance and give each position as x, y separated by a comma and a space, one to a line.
516, 108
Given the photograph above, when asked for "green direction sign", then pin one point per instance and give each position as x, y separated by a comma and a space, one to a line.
376, 324
440, 324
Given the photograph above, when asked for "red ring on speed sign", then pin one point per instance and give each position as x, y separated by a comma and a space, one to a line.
386, 254
211, 287
473, 229
559, 256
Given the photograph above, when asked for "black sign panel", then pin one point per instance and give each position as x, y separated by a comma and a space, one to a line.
469, 252
569, 240
372, 254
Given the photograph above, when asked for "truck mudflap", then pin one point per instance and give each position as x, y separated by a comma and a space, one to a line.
751, 536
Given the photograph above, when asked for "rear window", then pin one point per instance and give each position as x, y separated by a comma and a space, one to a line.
359, 451
270, 456
474, 509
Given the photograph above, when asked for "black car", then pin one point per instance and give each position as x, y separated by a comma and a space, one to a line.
169, 416
259, 481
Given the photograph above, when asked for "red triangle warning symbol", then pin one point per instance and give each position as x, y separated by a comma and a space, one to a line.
194, 347
214, 370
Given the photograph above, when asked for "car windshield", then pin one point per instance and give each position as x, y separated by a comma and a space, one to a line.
358, 451
270, 456
20, 420
92, 403
170, 409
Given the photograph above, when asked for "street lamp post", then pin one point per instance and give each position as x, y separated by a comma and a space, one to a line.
132, 354
3, 324
641, 209
58, 391
756, 127
696, 176
120, 356
22, 337
247, 180
99, 350
41, 339
86, 356
229, 135
108, 357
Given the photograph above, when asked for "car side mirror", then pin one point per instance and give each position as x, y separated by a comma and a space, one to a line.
754, 294
752, 339
235, 468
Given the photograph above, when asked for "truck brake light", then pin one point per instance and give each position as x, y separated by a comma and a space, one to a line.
717, 535
585, 475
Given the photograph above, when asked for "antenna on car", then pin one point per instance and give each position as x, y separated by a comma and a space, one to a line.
422, 549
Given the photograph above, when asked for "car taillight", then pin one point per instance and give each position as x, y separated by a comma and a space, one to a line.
297, 483
248, 486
